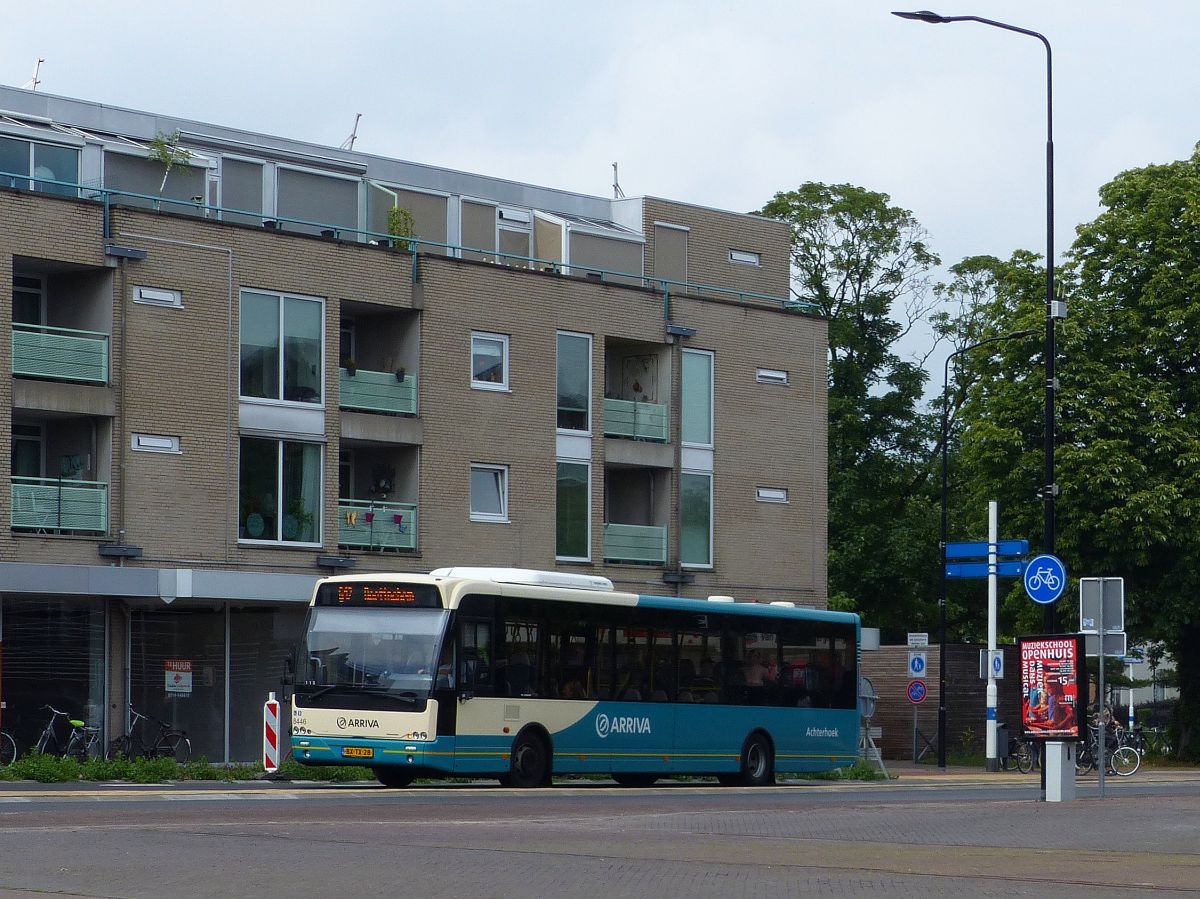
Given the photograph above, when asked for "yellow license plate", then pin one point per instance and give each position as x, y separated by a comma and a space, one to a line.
358, 752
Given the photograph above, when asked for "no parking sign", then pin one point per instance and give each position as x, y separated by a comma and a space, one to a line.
917, 691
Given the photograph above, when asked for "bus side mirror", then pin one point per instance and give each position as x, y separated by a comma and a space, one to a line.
289, 671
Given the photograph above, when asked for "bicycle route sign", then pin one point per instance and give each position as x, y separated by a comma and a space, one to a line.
1045, 579
917, 691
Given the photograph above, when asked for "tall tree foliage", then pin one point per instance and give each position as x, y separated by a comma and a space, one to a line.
865, 262
1128, 429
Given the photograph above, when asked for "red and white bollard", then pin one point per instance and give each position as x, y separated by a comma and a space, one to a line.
271, 734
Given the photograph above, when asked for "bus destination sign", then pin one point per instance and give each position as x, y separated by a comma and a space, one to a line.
378, 594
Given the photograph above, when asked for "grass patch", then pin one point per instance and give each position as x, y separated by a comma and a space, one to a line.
860, 770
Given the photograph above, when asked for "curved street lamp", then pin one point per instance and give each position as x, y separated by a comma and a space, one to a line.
1049, 489
946, 532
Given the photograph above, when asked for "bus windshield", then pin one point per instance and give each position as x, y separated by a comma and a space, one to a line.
390, 654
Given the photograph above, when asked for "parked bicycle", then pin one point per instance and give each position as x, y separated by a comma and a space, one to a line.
1022, 754
8, 749
165, 742
82, 741
1119, 757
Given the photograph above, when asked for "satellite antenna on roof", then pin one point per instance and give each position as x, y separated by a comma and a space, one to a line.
618, 194
348, 143
33, 82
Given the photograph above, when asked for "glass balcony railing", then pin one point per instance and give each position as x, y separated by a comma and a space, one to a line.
378, 391
635, 543
45, 505
64, 354
367, 524
644, 421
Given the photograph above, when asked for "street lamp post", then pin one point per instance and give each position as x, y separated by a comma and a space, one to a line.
946, 533
1049, 489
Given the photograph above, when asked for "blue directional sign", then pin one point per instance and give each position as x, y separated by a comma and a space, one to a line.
979, 549
1005, 568
1045, 579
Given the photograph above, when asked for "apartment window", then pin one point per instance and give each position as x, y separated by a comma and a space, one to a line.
489, 361
744, 257
282, 337
42, 161
574, 381
771, 376
695, 513
279, 484
28, 452
29, 299
572, 532
489, 493
771, 494
697, 410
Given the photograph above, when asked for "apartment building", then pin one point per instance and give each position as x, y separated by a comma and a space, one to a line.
231, 376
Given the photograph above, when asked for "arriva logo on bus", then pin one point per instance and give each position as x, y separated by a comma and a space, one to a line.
621, 724
344, 723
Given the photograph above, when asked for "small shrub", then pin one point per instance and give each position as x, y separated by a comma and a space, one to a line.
860, 770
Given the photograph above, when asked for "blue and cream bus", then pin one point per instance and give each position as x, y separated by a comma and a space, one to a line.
523, 675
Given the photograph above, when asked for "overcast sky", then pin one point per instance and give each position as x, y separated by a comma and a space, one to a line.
716, 103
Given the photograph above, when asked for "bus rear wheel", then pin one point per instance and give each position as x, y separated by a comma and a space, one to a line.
529, 764
636, 780
758, 763
392, 776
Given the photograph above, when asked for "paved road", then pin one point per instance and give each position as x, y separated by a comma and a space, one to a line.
925, 835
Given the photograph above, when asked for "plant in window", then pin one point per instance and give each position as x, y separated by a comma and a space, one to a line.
350, 365
401, 225
165, 149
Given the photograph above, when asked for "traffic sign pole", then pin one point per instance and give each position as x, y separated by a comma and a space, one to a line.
993, 757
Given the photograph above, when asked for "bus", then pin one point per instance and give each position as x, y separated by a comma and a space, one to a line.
522, 675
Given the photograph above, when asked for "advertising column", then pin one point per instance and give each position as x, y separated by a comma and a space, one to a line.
1053, 704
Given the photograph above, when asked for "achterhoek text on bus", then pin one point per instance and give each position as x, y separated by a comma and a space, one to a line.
522, 675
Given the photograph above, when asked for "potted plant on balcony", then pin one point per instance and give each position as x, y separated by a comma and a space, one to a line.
401, 225
350, 365
165, 149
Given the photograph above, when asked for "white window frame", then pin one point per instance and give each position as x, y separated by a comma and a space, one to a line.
771, 494
588, 337
772, 376
280, 401
502, 472
279, 444
587, 465
503, 383
712, 399
712, 515
745, 257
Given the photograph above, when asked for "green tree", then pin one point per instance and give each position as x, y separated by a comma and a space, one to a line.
1128, 426
865, 263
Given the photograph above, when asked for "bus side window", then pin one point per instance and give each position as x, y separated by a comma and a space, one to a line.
475, 663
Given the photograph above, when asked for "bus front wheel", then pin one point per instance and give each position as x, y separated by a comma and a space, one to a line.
529, 765
391, 776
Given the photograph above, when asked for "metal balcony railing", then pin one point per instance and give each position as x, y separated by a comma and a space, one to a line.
63, 354
47, 505
378, 391
644, 421
635, 543
371, 524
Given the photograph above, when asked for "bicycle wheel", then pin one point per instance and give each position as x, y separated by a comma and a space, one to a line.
1084, 760
1024, 756
8, 750
1125, 761
121, 747
174, 744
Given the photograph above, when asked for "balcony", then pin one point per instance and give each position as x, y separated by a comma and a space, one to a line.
635, 543
367, 524
378, 391
641, 421
61, 354
45, 506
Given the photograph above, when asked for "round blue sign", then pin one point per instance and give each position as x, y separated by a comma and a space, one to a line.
1045, 579
917, 691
